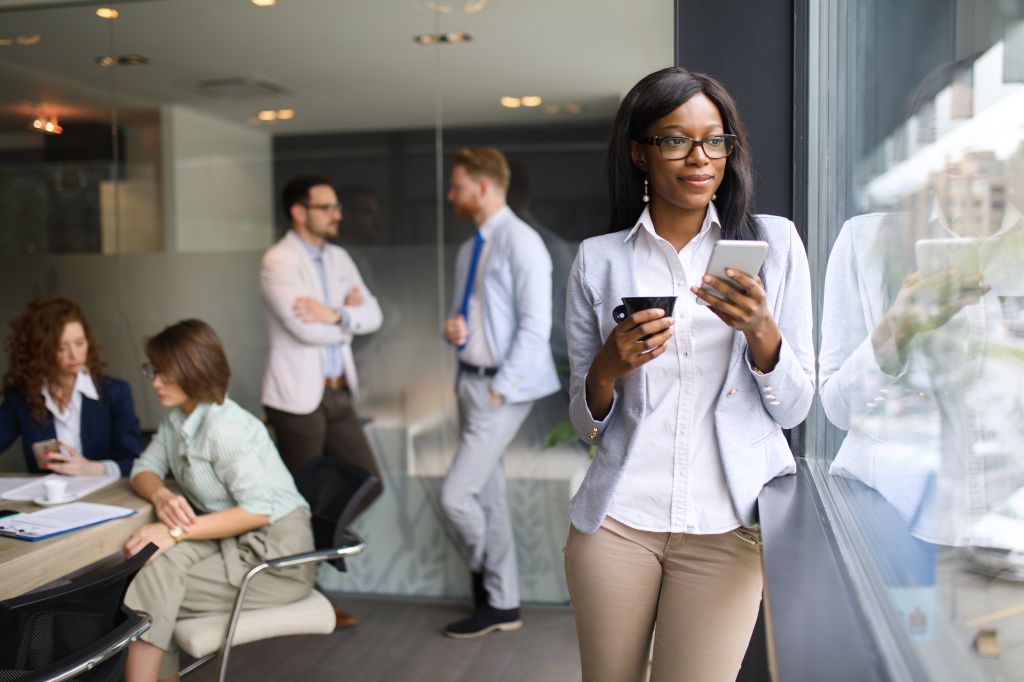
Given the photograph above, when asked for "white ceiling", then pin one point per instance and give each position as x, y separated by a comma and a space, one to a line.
348, 64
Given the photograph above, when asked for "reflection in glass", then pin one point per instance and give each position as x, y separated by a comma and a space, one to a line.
922, 355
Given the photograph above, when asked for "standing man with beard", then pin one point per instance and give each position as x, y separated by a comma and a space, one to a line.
315, 302
501, 324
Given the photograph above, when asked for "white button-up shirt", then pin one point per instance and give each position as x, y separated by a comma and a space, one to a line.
674, 482
68, 422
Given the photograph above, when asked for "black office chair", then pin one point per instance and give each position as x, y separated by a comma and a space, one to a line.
334, 491
77, 631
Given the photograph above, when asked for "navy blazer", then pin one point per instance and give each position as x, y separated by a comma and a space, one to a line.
109, 428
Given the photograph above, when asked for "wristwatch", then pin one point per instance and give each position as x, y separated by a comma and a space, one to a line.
177, 534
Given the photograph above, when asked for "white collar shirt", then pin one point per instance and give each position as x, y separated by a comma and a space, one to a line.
674, 481
477, 351
68, 422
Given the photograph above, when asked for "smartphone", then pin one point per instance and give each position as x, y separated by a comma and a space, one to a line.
938, 255
4, 513
745, 256
40, 448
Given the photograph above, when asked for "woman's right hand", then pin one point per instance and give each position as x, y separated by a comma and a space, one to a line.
173, 510
635, 341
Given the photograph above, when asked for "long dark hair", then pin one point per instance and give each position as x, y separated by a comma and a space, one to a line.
655, 96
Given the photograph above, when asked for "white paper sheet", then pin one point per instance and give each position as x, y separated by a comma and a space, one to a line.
57, 520
78, 486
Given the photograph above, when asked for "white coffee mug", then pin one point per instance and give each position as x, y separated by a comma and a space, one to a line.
56, 489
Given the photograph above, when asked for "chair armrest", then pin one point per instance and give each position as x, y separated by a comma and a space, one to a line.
115, 642
357, 546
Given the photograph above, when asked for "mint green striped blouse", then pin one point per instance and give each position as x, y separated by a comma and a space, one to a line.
222, 457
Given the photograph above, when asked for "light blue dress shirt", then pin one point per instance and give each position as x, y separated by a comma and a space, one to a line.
333, 365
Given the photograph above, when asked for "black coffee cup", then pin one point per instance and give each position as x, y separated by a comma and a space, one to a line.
634, 304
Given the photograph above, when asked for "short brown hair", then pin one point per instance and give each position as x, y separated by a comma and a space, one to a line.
191, 355
486, 161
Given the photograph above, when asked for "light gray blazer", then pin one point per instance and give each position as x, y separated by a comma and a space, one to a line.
748, 423
517, 308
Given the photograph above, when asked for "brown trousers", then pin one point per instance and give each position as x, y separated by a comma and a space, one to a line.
697, 594
333, 430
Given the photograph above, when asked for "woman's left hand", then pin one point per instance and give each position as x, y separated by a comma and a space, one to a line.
744, 309
71, 462
157, 533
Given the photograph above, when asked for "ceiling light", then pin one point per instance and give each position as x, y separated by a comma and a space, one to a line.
553, 108
33, 39
264, 3
511, 102
453, 38
122, 60
285, 114
573, 108
107, 13
474, 6
532, 101
47, 125
4, 42
267, 115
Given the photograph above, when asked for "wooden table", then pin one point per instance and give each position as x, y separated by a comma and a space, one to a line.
25, 565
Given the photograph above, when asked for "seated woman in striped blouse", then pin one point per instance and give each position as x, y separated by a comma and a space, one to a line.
238, 507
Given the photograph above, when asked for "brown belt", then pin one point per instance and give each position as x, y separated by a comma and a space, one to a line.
335, 383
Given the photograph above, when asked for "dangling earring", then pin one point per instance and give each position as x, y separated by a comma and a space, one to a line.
713, 197
646, 197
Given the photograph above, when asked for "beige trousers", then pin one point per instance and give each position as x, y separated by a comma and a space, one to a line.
200, 577
698, 595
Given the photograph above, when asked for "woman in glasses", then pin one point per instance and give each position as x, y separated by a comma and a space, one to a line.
55, 393
238, 504
686, 410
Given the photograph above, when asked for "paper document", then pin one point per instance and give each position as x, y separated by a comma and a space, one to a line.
57, 520
78, 486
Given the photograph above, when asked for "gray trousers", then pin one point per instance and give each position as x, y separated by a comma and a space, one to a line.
473, 495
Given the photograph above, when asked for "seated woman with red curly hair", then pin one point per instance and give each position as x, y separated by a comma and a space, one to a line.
54, 389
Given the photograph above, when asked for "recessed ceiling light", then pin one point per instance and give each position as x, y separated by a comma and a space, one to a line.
285, 114
511, 102
33, 39
553, 108
532, 101
267, 115
573, 108
474, 6
4, 42
107, 13
122, 60
453, 38
264, 3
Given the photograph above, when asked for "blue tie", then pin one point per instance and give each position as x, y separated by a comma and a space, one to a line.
477, 247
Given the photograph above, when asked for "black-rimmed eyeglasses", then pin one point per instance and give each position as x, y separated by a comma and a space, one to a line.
677, 147
329, 208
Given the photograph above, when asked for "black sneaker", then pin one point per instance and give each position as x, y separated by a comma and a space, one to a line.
487, 619
479, 591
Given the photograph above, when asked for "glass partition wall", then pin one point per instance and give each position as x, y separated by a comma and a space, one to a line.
917, 239
143, 146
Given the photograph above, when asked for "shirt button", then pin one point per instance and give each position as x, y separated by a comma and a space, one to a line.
731, 393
